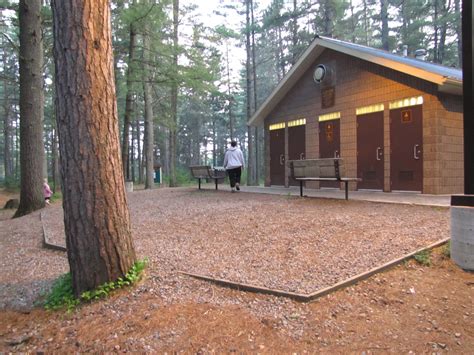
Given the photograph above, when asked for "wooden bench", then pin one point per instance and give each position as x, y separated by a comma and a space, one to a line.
206, 172
330, 169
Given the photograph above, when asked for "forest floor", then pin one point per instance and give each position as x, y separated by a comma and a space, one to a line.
278, 242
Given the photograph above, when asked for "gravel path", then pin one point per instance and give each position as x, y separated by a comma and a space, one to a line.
279, 242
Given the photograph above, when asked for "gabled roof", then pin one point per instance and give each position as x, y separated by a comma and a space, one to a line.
449, 80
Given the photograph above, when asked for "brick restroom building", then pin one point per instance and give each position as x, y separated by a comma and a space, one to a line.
396, 121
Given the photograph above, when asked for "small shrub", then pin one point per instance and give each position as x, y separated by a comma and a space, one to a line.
423, 257
62, 296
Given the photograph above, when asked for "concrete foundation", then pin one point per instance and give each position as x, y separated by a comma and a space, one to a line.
462, 236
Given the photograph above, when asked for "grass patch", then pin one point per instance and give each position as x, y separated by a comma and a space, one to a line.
446, 250
57, 196
61, 295
423, 257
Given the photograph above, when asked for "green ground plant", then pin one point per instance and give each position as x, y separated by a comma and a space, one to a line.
446, 250
57, 196
423, 257
61, 295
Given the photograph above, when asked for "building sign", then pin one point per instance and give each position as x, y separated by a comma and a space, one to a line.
329, 132
328, 97
406, 116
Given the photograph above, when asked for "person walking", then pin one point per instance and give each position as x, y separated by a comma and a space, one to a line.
47, 192
233, 164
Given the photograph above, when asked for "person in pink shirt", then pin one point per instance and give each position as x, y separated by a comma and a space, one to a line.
47, 191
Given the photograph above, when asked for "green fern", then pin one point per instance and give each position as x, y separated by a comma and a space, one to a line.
62, 296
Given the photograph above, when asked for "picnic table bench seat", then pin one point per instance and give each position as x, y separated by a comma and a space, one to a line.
207, 172
325, 169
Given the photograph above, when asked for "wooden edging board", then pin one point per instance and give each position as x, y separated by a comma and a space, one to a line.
319, 293
46, 243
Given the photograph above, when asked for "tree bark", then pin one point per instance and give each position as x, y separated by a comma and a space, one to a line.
96, 217
329, 14
149, 129
174, 99
250, 160
256, 178
384, 20
139, 150
129, 102
436, 31
366, 21
55, 157
7, 126
458, 29
294, 34
229, 94
31, 108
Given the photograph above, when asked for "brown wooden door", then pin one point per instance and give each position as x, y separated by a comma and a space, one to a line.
370, 160
277, 157
329, 144
406, 153
296, 145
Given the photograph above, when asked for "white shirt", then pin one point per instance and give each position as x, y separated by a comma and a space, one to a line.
233, 158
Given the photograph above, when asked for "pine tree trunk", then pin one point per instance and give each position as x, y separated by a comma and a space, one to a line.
174, 98
328, 18
131, 156
149, 129
7, 126
384, 19
139, 150
229, 95
436, 32
366, 21
250, 158
294, 34
31, 108
256, 177
96, 217
458, 29
352, 22
56, 169
214, 140
129, 102
7, 133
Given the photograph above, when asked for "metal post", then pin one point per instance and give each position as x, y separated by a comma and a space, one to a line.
199, 183
347, 189
216, 183
301, 188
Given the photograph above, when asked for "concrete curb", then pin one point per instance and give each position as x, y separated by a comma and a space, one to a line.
319, 293
46, 243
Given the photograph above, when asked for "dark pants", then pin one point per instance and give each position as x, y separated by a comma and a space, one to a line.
234, 175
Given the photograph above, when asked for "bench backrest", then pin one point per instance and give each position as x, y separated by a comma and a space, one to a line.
200, 171
317, 168
205, 172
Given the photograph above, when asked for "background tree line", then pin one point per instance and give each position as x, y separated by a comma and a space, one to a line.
181, 95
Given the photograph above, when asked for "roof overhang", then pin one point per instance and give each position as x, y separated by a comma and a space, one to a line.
445, 84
